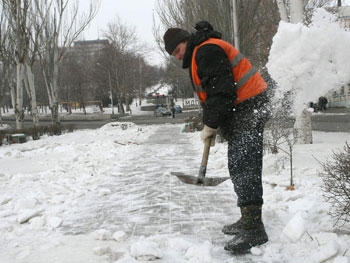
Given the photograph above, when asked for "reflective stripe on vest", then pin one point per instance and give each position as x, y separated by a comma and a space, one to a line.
245, 78
248, 80
235, 61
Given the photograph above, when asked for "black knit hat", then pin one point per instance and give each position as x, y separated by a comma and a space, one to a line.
173, 37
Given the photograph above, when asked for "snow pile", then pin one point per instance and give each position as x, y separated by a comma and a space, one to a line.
310, 60
146, 249
295, 229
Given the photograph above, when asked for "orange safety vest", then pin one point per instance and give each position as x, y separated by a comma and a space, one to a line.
248, 80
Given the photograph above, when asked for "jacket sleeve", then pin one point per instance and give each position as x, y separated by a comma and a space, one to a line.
215, 72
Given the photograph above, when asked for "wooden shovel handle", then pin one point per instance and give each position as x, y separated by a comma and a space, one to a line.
206, 152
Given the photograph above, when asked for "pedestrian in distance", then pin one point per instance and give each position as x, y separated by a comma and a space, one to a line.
322, 102
234, 97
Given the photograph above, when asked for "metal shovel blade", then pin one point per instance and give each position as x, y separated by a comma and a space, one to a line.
201, 179
195, 180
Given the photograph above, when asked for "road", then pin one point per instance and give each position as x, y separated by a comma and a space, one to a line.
323, 122
147, 119
331, 122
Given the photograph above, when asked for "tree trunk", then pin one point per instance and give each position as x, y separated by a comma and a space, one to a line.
29, 84
291, 164
302, 124
54, 113
127, 103
55, 117
303, 128
283, 10
53, 88
19, 97
13, 95
120, 107
0, 118
296, 11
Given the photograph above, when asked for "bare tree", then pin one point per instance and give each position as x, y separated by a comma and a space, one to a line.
21, 17
7, 62
121, 35
123, 40
29, 66
336, 188
62, 26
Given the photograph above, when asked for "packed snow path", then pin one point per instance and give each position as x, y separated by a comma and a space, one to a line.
155, 202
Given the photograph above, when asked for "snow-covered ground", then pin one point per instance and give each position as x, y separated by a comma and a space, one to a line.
107, 195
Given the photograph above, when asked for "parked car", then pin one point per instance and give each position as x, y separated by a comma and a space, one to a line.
161, 111
177, 109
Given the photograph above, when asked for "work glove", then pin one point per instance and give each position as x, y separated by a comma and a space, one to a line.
208, 133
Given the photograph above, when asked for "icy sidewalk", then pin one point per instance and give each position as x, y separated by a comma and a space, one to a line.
141, 198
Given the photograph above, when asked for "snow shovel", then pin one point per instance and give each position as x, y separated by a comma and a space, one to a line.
201, 179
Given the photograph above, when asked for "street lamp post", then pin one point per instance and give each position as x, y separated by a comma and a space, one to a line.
110, 85
235, 25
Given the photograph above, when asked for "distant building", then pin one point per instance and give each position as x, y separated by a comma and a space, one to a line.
341, 97
344, 15
88, 48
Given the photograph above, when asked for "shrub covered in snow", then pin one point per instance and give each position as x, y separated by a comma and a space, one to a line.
336, 178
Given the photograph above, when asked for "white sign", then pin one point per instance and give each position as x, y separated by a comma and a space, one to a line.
191, 103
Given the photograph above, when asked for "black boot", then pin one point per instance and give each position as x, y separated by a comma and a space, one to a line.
234, 228
252, 232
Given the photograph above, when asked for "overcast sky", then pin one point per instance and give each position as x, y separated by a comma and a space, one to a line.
136, 13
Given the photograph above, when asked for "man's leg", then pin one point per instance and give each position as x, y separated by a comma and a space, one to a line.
245, 153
